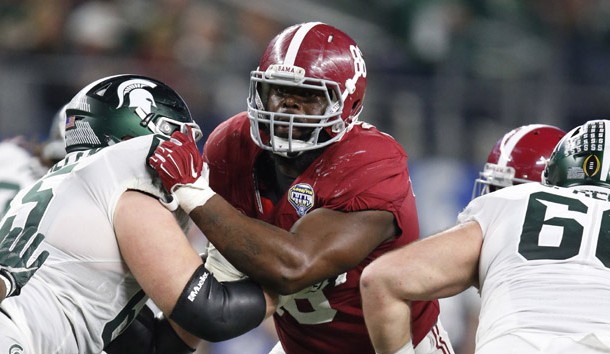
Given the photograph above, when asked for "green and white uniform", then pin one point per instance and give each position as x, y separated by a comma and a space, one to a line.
544, 269
84, 295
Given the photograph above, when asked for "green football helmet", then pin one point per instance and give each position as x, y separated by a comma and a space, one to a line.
580, 157
117, 108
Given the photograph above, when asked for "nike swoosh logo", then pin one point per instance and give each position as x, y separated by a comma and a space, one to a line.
193, 172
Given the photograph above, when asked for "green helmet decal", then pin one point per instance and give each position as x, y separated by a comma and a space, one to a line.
579, 158
121, 107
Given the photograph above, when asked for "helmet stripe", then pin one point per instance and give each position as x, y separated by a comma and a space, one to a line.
296, 41
605, 158
509, 143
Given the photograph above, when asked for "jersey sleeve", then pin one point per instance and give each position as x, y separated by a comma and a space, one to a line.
229, 148
370, 174
380, 185
116, 169
492, 208
481, 211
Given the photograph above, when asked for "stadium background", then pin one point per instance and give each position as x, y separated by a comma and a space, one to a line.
445, 77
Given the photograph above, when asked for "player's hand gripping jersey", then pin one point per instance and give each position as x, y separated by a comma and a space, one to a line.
73, 207
546, 253
367, 171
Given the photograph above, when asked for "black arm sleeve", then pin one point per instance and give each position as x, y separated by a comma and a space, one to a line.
137, 338
217, 311
148, 334
167, 341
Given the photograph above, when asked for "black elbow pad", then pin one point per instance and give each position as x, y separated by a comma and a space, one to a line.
217, 311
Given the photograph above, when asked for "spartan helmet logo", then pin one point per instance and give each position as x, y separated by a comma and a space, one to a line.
138, 96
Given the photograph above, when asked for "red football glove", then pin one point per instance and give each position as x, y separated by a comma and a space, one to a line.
182, 171
177, 161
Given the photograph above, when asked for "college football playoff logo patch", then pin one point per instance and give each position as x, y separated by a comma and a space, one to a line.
591, 165
301, 197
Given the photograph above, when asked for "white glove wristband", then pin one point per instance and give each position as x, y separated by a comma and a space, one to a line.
218, 265
193, 194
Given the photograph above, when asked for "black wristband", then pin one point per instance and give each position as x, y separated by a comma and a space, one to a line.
217, 311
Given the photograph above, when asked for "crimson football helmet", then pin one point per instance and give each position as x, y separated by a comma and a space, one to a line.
520, 156
312, 56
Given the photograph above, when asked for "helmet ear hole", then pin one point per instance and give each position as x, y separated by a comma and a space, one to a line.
356, 108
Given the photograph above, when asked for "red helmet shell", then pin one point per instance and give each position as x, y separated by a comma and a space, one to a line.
325, 53
526, 149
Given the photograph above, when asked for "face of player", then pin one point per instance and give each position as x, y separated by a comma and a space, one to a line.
295, 100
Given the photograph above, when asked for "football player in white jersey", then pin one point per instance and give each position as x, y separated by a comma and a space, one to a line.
19, 168
110, 243
538, 252
22, 165
519, 156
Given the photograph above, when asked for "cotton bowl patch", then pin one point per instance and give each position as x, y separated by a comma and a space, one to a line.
301, 197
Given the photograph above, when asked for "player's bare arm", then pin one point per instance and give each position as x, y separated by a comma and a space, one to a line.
322, 244
438, 266
164, 265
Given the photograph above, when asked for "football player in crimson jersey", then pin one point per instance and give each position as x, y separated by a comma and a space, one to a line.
334, 193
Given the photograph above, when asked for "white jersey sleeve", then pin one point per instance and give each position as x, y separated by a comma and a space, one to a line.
544, 264
84, 295
218, 265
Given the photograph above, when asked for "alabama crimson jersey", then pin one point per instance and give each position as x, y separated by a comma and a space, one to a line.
366, 170
544, 269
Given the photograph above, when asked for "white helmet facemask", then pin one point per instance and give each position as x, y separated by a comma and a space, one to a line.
262, 119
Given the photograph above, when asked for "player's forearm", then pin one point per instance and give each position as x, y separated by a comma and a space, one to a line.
386, 316
262, 251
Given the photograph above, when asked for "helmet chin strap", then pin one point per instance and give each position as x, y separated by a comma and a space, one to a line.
281, 146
